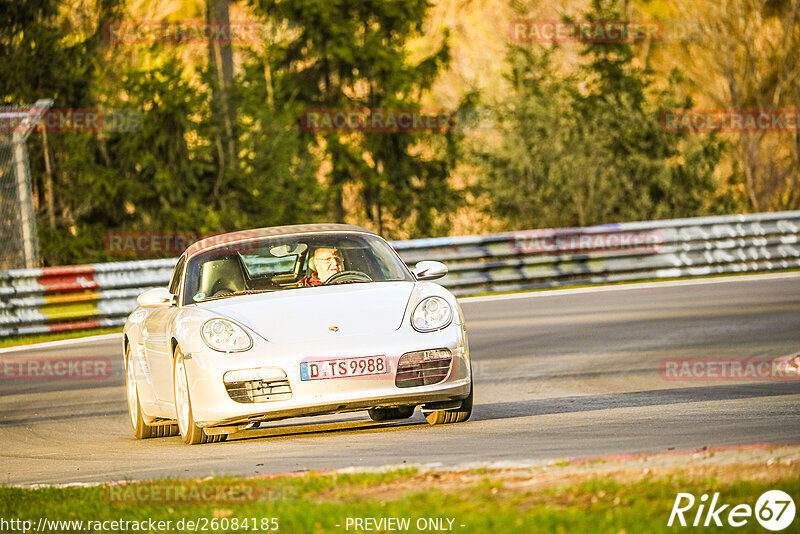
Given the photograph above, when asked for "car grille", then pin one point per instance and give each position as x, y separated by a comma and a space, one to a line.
422, 368
259, 390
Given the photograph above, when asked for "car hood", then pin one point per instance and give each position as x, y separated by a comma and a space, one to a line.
314, 312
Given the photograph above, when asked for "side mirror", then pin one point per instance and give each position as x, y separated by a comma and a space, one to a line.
158, 297
429, 270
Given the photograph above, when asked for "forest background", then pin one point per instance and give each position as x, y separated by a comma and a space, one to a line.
545, 134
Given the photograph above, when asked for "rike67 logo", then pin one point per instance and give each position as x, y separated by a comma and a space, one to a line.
774, 511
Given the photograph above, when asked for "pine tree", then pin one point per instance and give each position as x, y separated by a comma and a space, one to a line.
586, 146
352, 55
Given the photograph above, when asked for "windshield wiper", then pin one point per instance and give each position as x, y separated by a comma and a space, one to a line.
236, 294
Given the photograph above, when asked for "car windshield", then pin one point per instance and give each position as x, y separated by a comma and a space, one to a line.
291, 262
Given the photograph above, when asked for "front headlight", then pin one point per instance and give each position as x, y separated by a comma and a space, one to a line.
225, 336
433, 313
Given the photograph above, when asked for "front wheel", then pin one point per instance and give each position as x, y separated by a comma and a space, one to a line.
456, 415
190, 432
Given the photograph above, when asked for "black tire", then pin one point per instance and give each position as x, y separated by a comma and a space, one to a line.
140, 429
165, 431
456, 415
192, 434
389, 414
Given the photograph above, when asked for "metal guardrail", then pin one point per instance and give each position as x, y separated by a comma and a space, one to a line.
102, 295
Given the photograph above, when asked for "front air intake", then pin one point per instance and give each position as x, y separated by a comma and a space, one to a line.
259, 390
422, 368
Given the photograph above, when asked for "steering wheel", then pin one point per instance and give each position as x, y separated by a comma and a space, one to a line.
221, 291
348, 276
220, 288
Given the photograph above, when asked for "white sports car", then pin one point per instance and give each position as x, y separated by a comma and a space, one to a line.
266, 324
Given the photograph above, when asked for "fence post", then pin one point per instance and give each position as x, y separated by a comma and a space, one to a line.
22, 121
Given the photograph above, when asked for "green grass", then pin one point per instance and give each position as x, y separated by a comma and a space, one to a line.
28, 340
316, 503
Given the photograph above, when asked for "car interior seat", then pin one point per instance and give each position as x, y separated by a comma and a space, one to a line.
224, 275
312, 267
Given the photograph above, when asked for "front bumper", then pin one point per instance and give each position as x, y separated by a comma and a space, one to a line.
213, 406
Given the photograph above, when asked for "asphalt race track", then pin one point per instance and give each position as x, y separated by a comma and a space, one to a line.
565, 375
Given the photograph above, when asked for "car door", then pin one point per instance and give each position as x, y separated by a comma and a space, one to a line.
157, 340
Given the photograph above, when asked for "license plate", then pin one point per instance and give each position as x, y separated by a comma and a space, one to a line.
344, 367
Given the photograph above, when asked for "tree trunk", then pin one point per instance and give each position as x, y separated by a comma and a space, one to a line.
220, 62
48, 182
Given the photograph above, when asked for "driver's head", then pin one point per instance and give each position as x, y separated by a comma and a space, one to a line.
328, 262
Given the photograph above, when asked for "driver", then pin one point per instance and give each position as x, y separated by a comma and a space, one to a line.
328, 262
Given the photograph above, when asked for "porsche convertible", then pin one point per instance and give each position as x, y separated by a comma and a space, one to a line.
289, 321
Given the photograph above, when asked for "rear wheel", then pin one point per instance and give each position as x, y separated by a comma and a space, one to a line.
456, 415
190, 432
388, 414
140, 429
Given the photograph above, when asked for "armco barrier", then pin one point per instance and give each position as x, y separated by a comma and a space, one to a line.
89, 296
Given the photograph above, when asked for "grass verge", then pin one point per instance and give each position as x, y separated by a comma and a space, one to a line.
597, 496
